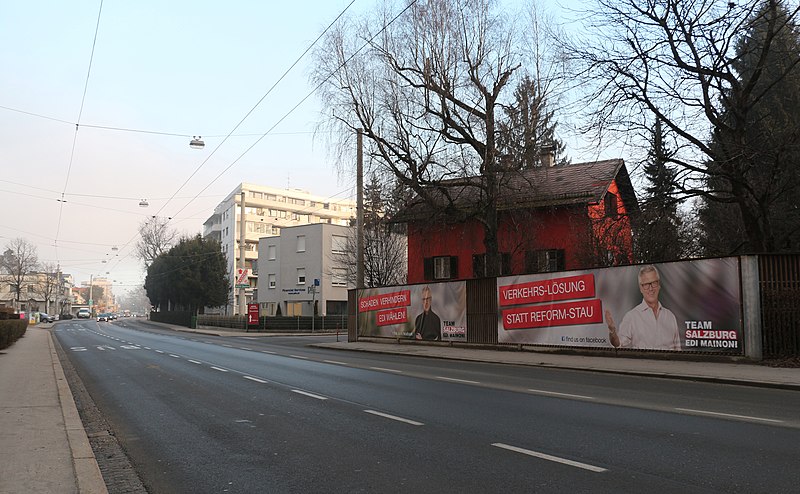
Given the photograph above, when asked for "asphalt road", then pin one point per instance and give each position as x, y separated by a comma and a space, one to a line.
199, 413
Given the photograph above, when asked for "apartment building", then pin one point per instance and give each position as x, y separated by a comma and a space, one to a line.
303, 271
267, 210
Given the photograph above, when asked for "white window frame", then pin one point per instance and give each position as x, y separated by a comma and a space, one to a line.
301, 276
339, 277
272, 281
272, 252
338, 244
301, 243
441, 268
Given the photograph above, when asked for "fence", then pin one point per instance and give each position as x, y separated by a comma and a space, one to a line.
301, 324
779, 280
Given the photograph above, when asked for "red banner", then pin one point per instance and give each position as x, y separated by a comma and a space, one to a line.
563, 314
252, 314
391, 316
533, 292
385, 301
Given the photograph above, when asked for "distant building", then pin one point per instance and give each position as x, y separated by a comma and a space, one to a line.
300, 274
41, 292
267, 211
551, 218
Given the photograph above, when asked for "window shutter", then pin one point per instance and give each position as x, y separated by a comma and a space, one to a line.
427, 268
453, 267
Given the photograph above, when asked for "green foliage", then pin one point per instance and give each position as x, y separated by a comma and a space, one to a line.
11, 330
192, 274
769, 144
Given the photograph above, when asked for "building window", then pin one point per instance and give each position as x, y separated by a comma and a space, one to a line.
611, 205
276, 230
301, 243
479, 265
301, 276
272, 281
338, 244
338, 277
272, 252
545, 261
440, 268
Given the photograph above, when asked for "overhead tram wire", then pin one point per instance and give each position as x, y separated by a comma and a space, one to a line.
314, 90
269, 91
75, 136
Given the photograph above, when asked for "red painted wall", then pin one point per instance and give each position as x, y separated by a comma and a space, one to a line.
578, 230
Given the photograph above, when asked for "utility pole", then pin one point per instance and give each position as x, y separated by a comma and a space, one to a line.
360, 209
242, 261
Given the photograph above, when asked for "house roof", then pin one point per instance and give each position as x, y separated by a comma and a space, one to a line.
580, 183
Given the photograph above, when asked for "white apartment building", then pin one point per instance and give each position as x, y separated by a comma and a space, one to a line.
301, 273
267, 210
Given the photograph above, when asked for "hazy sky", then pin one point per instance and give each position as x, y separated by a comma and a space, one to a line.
163, 67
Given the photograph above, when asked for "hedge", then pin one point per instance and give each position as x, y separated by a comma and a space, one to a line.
11, 330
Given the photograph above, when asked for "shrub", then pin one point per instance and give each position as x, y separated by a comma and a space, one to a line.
11, 330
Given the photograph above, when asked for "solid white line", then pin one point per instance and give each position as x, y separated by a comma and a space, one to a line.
457, 380
299, 356
217, 368
556, 459
334, 362
255, 379
309, 394
567, 395
195, 362
729, 415
229, 346
173, 355
386, 370
394, 417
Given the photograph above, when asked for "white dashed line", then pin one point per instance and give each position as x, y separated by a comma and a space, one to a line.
719, 414
219, 369
299, 356
243, 348
457, 380
195, 362
255, 379
335, 362
566, 395
159, 351
556, 459
386, 370
304, 393
394, 417
267, 351
173, 355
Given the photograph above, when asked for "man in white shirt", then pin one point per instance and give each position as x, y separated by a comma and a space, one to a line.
649, 325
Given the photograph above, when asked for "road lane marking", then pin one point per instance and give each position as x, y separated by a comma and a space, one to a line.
255, 379
105, 347
720, 414
173, 355
243, 348
159, 351
78, 348
147, 348
299, 356
267, 351
229, 346
335, 362
309, 394
219, 369
556, 459
385, 369
457, 380
394, 417
130, 347
566, 395
195, 362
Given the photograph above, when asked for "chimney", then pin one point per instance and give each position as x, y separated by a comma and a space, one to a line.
547, 155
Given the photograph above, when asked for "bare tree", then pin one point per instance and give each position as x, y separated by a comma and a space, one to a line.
18, 261
678, 61
385, 258
155, 238
49, 284
428, 83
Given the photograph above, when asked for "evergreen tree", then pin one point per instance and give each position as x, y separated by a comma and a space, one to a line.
658, 237
529, 128
771, 142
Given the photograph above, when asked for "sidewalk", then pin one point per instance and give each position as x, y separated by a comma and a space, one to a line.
43, 446
744, 373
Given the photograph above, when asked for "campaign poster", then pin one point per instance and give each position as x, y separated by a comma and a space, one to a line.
432, 312
690, 306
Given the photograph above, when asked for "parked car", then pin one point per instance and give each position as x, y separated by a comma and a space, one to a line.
84, 314
103, 317
43, 317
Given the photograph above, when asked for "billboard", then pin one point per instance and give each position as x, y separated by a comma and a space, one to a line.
434, 312
680, 306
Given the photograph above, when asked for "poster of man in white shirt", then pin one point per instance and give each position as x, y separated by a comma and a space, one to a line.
649, 325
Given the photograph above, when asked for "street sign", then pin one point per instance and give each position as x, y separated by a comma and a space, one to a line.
241, 278
252, 314
316, 281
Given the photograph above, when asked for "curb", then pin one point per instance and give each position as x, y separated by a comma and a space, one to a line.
87, 471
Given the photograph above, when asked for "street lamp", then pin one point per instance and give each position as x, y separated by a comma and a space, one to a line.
197, 143
143, 203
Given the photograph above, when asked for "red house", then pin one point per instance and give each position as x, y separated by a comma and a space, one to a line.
549, 219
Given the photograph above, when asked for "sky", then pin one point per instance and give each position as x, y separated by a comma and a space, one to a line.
160, 73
